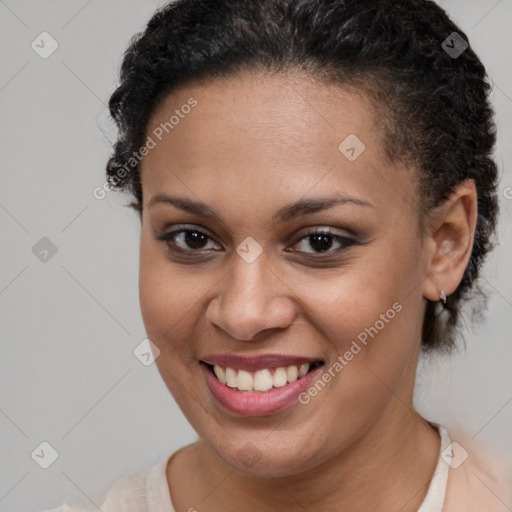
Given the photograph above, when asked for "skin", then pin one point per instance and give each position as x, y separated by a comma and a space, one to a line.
253, 144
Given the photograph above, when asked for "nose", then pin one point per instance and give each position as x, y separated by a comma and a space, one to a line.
251, 298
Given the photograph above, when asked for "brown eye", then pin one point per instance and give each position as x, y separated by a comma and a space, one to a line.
322, 242
194, 239
186, 240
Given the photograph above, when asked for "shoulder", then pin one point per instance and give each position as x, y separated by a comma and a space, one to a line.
130, 492
479, 479
64, 508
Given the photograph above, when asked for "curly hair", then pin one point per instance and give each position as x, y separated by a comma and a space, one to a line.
434, 106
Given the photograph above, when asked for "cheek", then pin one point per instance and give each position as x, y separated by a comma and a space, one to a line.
371, 344
369, 314
165, 299
344, 302
167, 308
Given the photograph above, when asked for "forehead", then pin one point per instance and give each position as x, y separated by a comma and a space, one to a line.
276, 133
253, 109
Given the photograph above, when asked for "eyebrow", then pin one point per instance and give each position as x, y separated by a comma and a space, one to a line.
286, 213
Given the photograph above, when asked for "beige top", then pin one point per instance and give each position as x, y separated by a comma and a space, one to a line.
462, 482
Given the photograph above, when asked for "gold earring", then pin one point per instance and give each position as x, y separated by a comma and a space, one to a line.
442, 296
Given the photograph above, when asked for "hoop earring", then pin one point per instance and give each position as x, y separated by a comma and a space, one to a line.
442, 296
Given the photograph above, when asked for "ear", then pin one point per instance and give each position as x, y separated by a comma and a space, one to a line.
451, 233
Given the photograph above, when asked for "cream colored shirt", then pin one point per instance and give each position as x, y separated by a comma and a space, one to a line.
457, 485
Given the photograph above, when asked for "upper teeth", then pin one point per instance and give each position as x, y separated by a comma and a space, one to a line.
261, 380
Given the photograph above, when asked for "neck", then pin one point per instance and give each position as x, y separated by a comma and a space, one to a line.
389, 468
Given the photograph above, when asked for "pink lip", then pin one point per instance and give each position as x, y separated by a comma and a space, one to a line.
254, 363
258, 404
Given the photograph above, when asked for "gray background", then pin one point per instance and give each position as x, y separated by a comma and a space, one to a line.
69, 326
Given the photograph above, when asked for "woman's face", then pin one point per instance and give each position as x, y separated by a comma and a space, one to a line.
244, 275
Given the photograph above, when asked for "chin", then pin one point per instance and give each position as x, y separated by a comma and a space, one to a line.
264, 459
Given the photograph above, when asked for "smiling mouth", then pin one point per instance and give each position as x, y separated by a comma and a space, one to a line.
263, 380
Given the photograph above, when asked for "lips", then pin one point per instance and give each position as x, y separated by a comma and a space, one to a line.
243, 399
255, 363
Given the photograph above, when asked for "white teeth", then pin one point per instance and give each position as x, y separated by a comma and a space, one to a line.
304, 368
292, 373
220, 373
230, 377
244, 381
279, 378
261, 380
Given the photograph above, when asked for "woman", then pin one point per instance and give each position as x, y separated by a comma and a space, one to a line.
317, 195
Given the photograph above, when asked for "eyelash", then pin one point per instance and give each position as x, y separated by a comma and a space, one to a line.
345, 241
